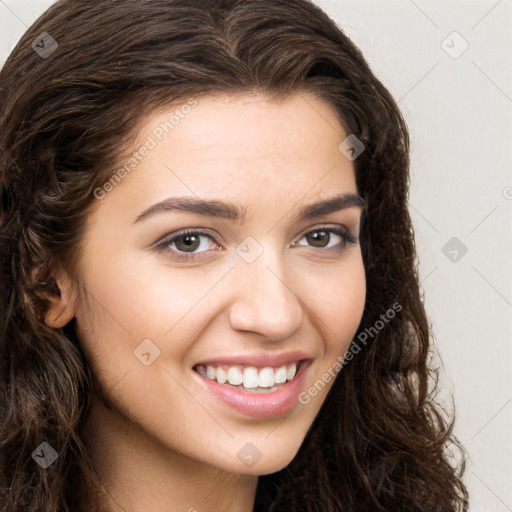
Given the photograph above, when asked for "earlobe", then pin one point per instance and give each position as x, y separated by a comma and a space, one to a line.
62, 302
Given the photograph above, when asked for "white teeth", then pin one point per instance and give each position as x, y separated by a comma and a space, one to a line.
221, 375
250, 378
280, 375
266, 377
291, 370
210, 372
235, 376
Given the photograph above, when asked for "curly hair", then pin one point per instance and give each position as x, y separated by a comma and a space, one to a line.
380, 441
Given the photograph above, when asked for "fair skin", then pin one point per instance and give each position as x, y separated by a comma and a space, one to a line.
161, 440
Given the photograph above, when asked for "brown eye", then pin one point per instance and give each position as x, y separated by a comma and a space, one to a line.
187, 242
320, 238
186, 245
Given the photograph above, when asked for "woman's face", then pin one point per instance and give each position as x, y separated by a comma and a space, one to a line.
256, 289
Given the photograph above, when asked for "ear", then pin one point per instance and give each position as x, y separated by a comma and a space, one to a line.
62, 302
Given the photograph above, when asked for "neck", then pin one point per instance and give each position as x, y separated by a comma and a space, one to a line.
139, 473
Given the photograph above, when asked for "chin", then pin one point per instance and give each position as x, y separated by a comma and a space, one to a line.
259, 458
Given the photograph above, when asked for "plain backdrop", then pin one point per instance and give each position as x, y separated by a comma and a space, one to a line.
448, 64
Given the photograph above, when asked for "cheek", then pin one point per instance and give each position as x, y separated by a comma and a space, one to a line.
339, 304
127, 304
138, 300
351, 301
342, 309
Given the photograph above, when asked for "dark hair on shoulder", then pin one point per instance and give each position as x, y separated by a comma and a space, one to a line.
380, 441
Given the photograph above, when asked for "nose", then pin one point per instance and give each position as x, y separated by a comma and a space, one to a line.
265, 299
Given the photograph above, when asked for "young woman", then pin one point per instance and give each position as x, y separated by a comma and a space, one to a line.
209, 294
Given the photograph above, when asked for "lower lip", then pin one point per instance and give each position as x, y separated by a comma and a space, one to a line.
260, 405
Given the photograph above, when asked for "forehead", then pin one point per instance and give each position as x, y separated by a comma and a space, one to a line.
245, 136
247, 125
257, 151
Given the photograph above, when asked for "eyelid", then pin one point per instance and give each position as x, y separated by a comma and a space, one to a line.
164, 242
326, 227
339, 230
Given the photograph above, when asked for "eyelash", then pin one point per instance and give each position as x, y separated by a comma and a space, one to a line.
163, 245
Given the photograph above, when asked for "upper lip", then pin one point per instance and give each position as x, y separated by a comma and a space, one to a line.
257, 359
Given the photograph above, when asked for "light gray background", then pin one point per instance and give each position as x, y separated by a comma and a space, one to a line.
459, 114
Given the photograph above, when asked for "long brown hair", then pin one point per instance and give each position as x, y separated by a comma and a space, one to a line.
380, 442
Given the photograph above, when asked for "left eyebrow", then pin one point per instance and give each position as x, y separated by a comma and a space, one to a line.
235, 213
326, 206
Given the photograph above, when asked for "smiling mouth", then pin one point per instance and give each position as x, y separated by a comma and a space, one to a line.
250, 378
